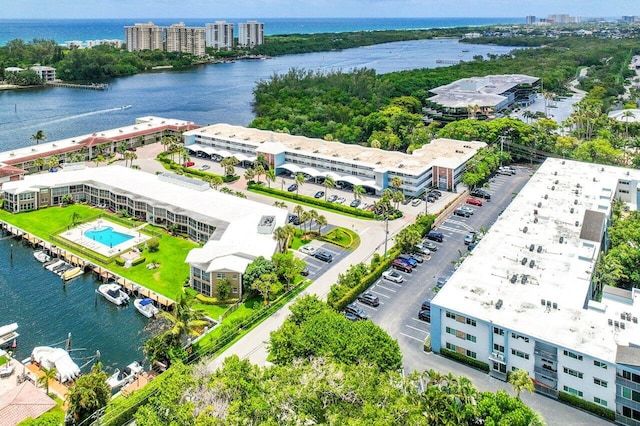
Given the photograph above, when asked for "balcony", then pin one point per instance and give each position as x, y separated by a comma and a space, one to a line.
547, 372
550, 355
627, 383
627, 402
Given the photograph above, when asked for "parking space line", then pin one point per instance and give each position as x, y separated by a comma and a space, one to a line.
380, 294
389, 289
417, 329
457, 231
414, 338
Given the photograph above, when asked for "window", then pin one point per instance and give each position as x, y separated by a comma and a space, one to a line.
471, 338
519, 336
450, 346
471, 322
630, 376
451, 331
572, 355
630, 394
600, 382
499, 331
573, 373
573, 391
220, 276
599, 364
498, 348
519, 354
630, 413
600, 401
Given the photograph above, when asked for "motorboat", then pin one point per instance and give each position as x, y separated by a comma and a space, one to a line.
48, 358
8, 334
72, 273
41, 256
7, 369
114, 294
126, 106
54, 266
122, 378
146, 307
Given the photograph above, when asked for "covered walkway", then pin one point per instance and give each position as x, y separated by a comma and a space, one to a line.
316, 173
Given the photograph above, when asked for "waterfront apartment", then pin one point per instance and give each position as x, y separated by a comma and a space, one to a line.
440, 163
526, 298
219, 35
480, 97
250, 33
144, 37
234, 230
180, 38
45, 73
86, 147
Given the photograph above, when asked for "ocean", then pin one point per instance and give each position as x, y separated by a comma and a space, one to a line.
62, 30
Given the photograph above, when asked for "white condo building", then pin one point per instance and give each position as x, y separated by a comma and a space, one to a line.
525, 297
144, 37
250, 33
180, 38
439, 163
219, 35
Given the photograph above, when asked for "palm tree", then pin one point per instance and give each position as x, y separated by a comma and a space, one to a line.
270, 176
306, 216
397, 198
122, 148
520, 381
259, 171
321, 221
298, 210
132, 156
229, 164
49, 374
249, 174
185, 320
215, 181
358, 192
39, 163
396, 182
299, 182
329, 183
627, 115
280, 235
52, 162
313, 215
38, 136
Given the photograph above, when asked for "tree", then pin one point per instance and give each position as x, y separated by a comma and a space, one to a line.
52, 162
89, 394
75, 218
358, 192
407, 238
270, 176
38, 163
259, 171
249, 174
49, 374
321, 221
38, 136
299, 181
329, 183
281, 236
223, 288
267, 285
122, 149
215, 181
288, 267
298, 210
228, 164
397, 198
520, 381
396, 182
185, 319
98, 159
255, 270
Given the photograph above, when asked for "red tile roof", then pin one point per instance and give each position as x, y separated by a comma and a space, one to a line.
22, 402
8, 171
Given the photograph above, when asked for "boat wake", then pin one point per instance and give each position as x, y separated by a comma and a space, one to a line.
44, 124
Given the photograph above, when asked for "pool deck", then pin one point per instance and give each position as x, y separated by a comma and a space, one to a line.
77, 236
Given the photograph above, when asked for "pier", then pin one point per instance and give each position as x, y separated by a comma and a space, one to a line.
448, 61
92, 86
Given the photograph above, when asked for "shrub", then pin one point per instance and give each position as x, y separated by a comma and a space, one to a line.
587, 406
427, 344
119, 261
153, 245
471, 362
138, 261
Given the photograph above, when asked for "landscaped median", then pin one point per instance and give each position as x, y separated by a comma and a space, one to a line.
312, 202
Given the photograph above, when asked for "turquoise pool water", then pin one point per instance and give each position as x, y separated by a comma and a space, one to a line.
107, 236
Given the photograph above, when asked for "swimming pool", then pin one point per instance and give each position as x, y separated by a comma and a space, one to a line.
107, 236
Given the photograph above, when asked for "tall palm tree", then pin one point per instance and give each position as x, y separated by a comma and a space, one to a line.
215, 181
259, 171
627, 115
397, 198
249, 174
38, 136
229, 164
38, 163
52, 161
49, 374
280, 235
396, 182
298, 210
185, 320
321, 221
270, 176
122, 149
358, 192
299, 182
520, 381
329, 183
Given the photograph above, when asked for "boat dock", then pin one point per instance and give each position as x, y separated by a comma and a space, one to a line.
448, 61
92, 86
103, 274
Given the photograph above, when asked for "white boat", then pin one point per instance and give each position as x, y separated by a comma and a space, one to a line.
122, 378
114, 294
8, 333
54, 266
126, 106
48, 357
41, 256
7, 369
72, 273
145, 307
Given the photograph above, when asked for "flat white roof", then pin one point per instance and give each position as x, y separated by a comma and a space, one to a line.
457, 152
240, 216
481, 91
561, 271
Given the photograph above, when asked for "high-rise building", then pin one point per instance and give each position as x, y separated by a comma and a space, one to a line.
630, 19
530, 19
181, 38
219, 35
143, 37
250, 33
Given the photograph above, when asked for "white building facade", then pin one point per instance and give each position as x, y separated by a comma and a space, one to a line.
144, 36
219, 35
250, 33
180, 38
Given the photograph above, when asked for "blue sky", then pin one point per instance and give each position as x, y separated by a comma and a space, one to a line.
312, 8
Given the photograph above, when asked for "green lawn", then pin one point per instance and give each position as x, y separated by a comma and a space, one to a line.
166, 280
343, 237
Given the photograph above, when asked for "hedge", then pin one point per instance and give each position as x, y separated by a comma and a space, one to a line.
120, 261
465, 360
591, 407
313, 201
193, 172
205, 300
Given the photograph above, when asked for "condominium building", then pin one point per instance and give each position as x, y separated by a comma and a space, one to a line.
526, 298
45, 73
143, 37
234, 230
219, 35
530, 19
439, 163
250, 33
480, 97
180, 38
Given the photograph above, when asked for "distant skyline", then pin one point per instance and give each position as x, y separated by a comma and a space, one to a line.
255, 9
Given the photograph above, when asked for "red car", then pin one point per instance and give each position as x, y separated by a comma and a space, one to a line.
189, 164
474, 201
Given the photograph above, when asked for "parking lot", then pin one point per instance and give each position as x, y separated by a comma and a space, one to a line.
317, 267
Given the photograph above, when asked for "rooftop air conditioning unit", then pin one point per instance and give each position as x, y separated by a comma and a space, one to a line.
499, 304
555, 306
532, 247
539, 249
524, 261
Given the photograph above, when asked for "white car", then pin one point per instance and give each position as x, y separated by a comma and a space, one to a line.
392, 275
416, 202
341, 200
308, 249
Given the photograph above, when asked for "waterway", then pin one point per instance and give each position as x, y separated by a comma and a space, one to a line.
34, 297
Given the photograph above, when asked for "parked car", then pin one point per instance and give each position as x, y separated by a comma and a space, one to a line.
408, 260
189, 164
318, 194
460, 212
205, 167
481, 194
431, 198
392, 275
416, 257
424, 316
308, 249
324, 256
424, 251
440, 283
293, 219
426, 305
416, 202
435, 193
332, 198
305, 272
352, 317
340, 200
435, 236
132, 149
369, 299
356, 310
472, 246
467, 209
474, 201
401, 266
469, 238
506, 170
292, 187
430, 245
355, 203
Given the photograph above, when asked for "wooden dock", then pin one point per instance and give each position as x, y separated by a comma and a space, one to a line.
92, 86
